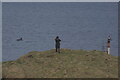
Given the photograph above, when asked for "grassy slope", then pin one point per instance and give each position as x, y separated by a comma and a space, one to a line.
68, 64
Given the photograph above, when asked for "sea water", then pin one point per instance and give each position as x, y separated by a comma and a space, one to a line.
79, 26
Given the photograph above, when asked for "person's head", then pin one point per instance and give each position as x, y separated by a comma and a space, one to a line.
57, 37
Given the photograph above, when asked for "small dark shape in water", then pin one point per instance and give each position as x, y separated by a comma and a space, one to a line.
20, 39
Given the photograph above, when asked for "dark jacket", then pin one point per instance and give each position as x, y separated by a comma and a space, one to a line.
57, 40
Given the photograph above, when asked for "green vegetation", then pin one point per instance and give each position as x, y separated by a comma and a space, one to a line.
68, 64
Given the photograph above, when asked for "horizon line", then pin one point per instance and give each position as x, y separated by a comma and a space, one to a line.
59, 1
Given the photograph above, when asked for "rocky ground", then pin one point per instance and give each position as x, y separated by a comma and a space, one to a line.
68, 64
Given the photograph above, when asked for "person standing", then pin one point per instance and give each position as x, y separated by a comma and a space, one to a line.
57, 44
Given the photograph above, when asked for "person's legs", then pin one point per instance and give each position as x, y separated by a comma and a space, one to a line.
56, 47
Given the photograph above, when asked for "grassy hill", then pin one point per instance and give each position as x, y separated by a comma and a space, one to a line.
68, 64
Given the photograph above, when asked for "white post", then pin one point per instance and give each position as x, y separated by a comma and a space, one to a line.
108, 45
108, 50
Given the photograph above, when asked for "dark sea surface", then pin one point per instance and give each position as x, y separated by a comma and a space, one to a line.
79, 26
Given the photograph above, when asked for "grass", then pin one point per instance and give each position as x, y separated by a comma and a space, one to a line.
68, 64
